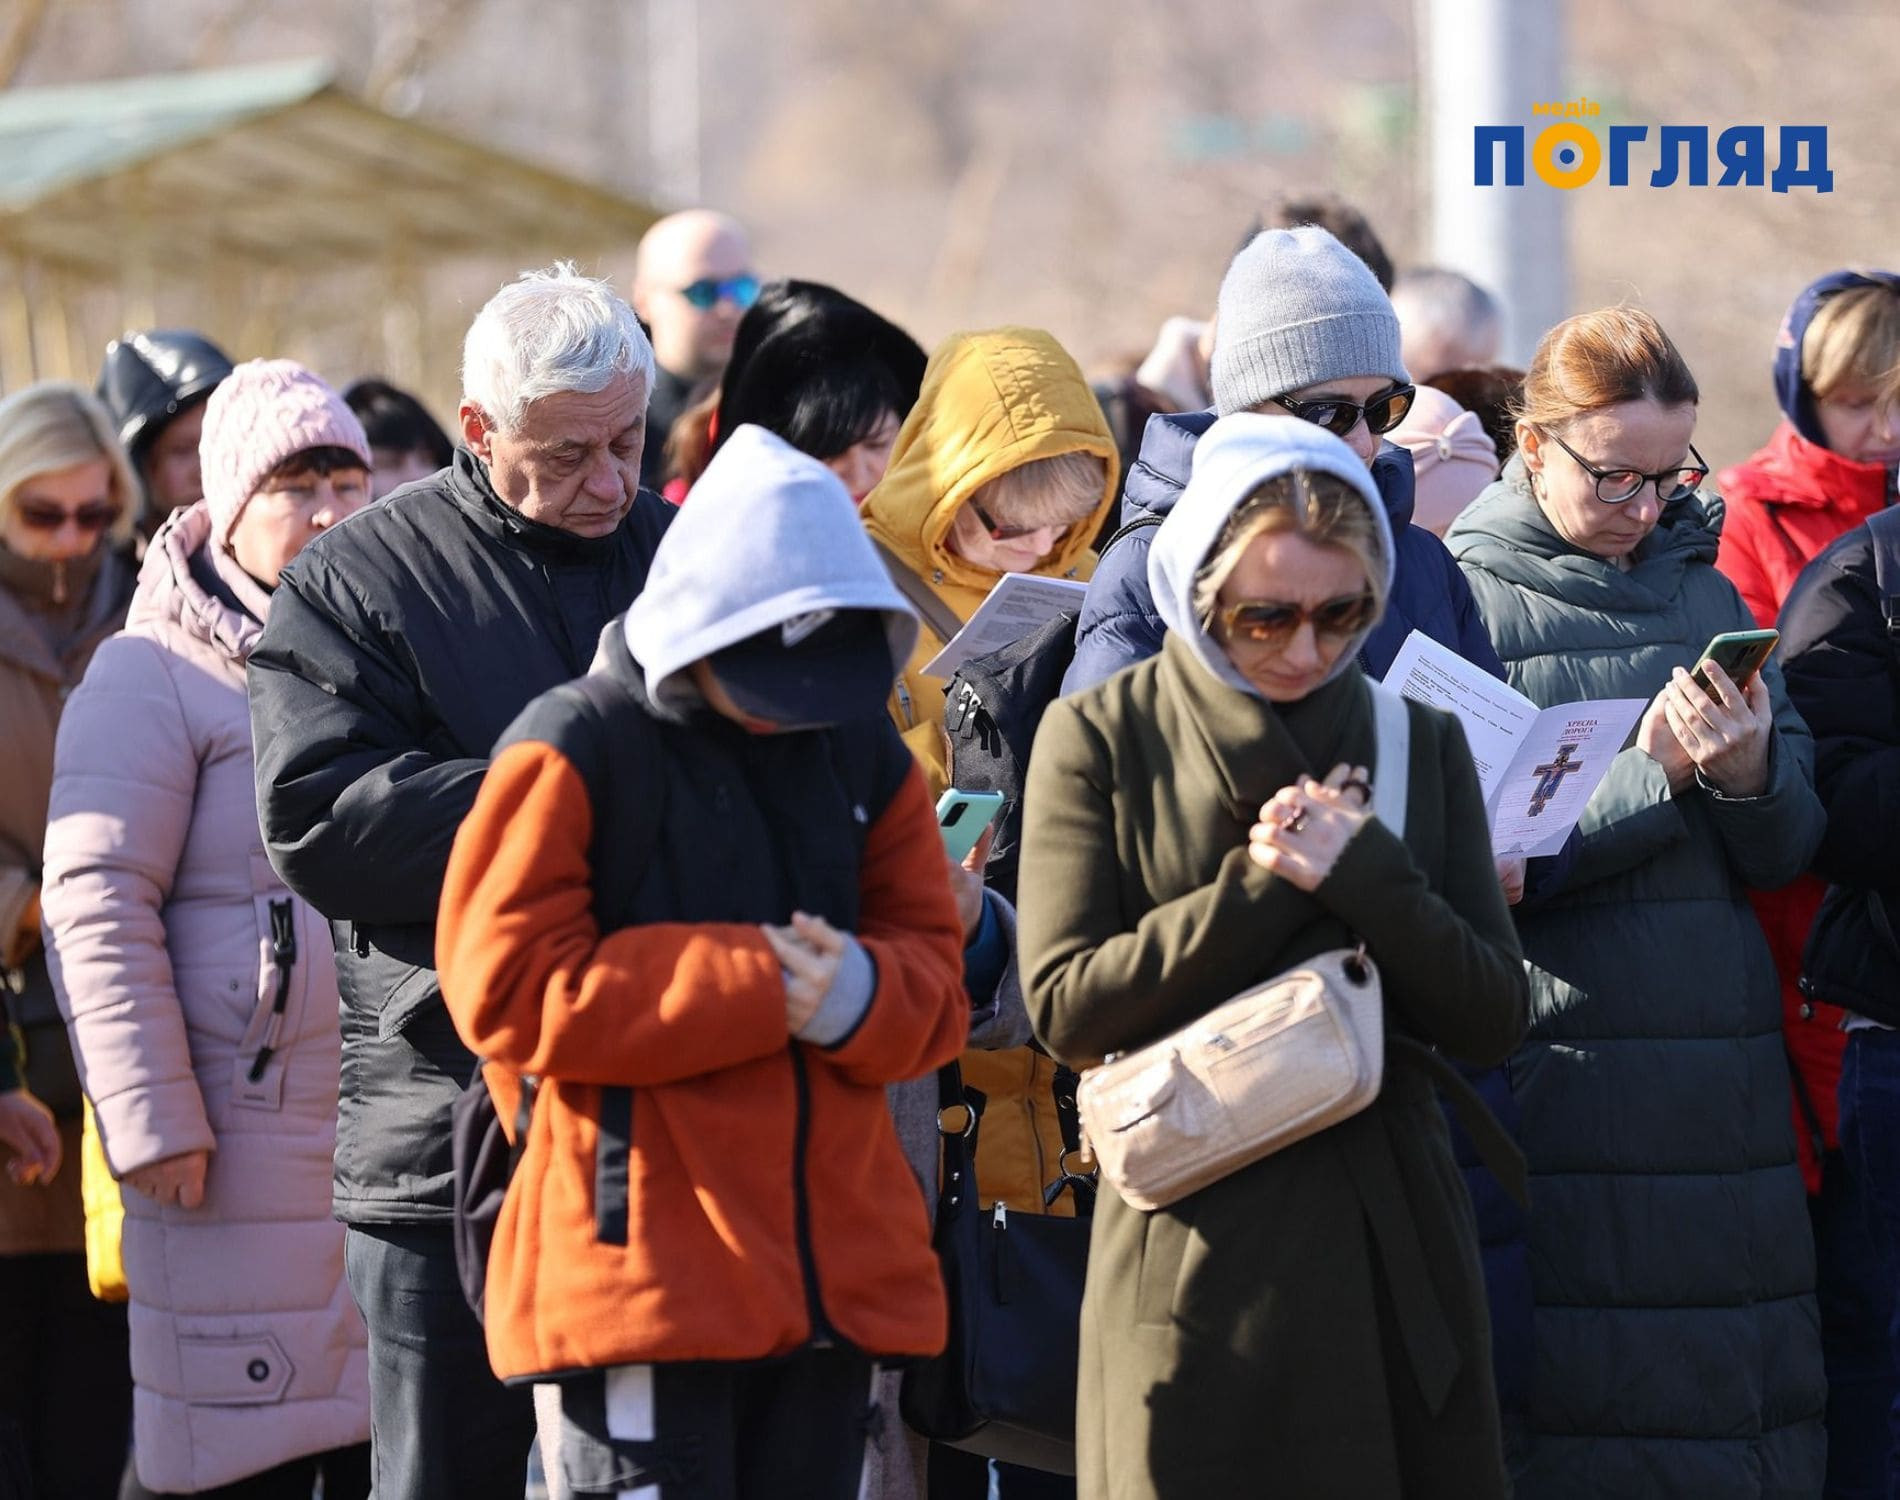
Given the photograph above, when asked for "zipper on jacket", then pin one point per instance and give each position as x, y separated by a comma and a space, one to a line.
822, 1333
283, 957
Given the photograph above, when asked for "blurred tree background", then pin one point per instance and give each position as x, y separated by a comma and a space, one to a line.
1084, 165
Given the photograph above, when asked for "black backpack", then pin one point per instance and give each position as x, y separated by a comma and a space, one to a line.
1837, 965
991, 711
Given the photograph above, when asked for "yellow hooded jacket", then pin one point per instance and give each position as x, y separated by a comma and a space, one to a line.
990, 402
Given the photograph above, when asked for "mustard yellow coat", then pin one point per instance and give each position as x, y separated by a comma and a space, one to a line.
990, 402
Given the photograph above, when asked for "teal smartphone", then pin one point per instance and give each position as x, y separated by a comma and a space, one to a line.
1740, 653
962, 817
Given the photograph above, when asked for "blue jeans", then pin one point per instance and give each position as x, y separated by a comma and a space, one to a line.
1859, 1283
441, 1426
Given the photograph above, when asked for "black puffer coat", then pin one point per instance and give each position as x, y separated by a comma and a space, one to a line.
400, 645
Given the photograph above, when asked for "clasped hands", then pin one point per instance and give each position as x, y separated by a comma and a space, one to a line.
1305, 827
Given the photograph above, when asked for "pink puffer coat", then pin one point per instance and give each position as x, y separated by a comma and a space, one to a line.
201, 999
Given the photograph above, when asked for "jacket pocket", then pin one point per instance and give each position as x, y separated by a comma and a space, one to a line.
252, 1371
407, 999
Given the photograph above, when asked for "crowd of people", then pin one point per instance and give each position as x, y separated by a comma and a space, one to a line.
584, 767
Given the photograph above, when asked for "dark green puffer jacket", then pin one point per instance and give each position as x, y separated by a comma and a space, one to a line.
1678, 1341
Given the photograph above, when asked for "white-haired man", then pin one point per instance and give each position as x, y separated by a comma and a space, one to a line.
396, 652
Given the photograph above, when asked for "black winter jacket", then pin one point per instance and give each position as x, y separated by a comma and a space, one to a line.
399, 646
1843, 674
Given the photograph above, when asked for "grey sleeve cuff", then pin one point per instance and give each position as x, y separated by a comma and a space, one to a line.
847, 1000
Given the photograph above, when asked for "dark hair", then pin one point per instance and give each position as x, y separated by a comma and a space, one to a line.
323, 462
1333, 214
1493, 392
818, 369
396, 420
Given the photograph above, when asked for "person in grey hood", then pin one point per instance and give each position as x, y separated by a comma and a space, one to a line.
701, 899
1193, 827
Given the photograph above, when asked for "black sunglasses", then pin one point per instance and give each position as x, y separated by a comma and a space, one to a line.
1001, 533
1617, 486
1339, 416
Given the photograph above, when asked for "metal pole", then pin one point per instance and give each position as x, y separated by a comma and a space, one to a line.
673, 134
1485, 63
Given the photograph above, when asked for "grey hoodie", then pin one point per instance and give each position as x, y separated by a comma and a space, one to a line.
770, 535
1237, 455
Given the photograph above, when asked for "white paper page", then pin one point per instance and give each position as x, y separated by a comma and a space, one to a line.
1019, 605
1495, 716
1561, 762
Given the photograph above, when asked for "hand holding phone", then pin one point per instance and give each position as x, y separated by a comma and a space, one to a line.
962, 817
1739, 653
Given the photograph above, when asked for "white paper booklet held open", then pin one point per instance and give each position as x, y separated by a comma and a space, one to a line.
1019, 605
1537, 767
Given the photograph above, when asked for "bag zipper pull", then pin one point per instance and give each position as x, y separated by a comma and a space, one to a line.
999, 1216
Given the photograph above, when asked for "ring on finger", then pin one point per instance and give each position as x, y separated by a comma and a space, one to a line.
1295, 823
1360, 785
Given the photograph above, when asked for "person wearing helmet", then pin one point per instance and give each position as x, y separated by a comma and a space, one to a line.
155, 384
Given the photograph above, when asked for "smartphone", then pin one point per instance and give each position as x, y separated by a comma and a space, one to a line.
1740, 653
962, 817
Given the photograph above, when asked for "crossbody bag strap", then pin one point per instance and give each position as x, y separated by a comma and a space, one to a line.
1392, 776
934, 612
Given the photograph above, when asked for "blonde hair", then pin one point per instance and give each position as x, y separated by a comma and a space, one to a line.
56, 425
1599, 359
1854, 339
1046, 491
1322, 508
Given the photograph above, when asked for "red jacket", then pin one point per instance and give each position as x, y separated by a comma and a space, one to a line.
1785, 504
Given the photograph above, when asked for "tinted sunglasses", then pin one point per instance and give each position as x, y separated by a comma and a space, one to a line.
1616, 486
95, 517
706, 293
1339, 416
1000, 533
1267, 622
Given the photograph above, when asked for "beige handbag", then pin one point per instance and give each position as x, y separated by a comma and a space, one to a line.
1273, 1065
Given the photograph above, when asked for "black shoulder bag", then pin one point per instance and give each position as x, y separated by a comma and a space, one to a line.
1004, 1386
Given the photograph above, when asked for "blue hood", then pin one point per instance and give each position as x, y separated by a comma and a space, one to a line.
1166, 461
1797, 401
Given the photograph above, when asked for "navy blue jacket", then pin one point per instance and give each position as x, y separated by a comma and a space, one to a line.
1119, 626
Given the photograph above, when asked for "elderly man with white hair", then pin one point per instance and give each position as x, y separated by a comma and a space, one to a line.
398, 649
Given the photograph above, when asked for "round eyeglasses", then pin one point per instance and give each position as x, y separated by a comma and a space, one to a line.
1616, 486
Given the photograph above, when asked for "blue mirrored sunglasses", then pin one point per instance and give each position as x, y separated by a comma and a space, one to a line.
706, 293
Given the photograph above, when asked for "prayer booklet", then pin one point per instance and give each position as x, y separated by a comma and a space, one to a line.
1537, 767
1020, 604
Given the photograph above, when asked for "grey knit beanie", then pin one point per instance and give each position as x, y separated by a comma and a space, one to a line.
1298, 308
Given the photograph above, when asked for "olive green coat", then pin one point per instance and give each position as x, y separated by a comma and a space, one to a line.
1313, 1325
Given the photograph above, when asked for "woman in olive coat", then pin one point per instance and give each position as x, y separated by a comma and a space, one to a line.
1315, 1321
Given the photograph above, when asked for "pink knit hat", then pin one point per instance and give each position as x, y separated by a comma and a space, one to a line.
1453, 457
261, 413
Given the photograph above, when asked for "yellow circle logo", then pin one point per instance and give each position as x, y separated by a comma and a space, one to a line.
1567, 156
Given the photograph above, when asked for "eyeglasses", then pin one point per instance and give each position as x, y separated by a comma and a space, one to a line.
705, 294
1267, 622
95, 517
1339, 416
1001, 533
1615, 486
